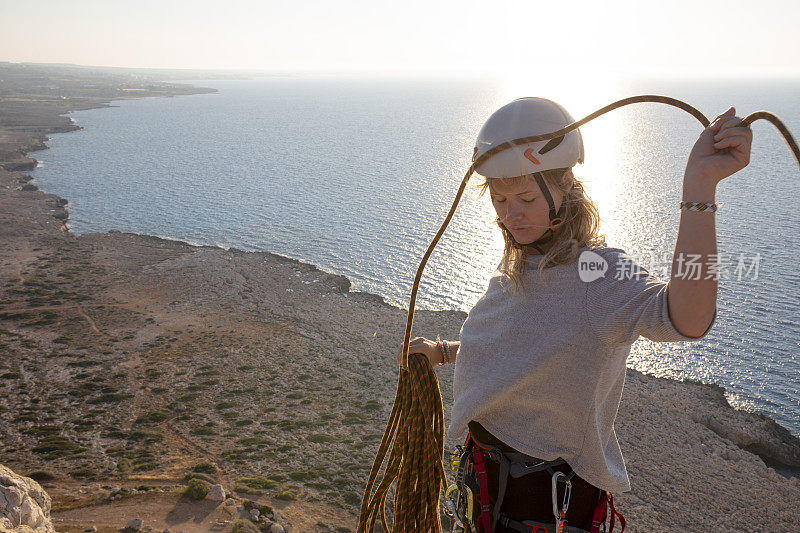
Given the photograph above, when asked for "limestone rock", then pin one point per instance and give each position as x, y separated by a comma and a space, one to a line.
23, 502
232, 510
134, 525
217, 494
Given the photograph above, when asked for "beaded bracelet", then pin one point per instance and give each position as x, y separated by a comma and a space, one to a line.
698, 206
444, 349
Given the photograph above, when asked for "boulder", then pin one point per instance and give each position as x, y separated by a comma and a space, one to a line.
24, 505
134, 525
216, 494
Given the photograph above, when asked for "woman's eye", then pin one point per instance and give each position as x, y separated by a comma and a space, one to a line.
529, 201
499, 200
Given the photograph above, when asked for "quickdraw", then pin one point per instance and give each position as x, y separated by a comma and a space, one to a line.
459, 497
561, 514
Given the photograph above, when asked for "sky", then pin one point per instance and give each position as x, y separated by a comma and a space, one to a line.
680, 38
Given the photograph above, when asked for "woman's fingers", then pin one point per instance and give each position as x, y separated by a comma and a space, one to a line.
735, 140
724, 118
413, 344
729, 122
733, 131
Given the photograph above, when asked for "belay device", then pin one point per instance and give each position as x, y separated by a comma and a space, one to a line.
416, 423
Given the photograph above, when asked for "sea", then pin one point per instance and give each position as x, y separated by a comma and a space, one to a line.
355, 175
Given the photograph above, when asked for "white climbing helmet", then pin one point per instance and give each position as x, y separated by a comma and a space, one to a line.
525, 117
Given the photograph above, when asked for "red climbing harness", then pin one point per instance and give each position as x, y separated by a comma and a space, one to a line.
471, 488
483, 490
601, 511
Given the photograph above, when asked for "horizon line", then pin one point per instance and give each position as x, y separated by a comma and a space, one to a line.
428, 72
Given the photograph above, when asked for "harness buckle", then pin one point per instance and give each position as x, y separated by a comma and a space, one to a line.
534, 528
526, 526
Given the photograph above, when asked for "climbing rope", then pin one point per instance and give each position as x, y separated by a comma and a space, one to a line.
416, 422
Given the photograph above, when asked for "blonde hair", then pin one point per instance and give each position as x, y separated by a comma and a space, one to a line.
580, 228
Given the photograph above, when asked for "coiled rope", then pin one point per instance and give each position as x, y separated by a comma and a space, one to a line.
416, 423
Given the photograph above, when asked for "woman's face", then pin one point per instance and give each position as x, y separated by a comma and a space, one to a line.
522, 208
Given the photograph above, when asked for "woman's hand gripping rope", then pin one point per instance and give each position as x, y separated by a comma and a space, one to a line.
425, 347
722, 149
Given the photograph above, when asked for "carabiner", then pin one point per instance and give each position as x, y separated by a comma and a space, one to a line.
561, 514
464, 522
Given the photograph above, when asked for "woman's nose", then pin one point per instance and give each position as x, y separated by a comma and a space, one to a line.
513, 211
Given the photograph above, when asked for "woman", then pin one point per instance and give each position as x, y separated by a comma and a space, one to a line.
540, 363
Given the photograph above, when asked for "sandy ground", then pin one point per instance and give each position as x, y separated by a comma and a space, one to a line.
129, 359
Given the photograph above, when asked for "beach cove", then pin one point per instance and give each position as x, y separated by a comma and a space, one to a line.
268, 367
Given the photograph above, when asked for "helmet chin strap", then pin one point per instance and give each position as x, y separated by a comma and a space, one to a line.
556, 218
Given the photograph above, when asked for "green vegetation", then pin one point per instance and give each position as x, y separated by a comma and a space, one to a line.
84, 473
234, 456
152, 417
302, 475
110, 398
189, 397
257, 482
371, 405
265, 510
136, 459
198, 475
244, 526
41, 431
196, 489
55, 447
289, 424
204, 468
85, 363
352, 418
352, 498
286, 495
40, 476
320, 437
244, 489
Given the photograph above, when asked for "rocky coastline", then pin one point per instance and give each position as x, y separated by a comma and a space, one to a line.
135, 362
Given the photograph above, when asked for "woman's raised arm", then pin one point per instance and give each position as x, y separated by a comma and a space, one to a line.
722, 149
